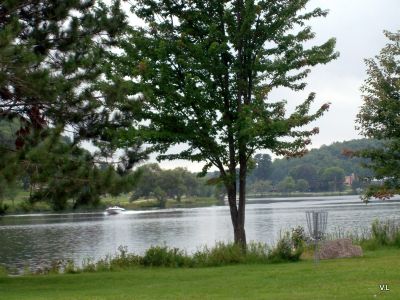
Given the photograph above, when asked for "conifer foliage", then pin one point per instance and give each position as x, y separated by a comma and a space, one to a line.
56, 61
206, 69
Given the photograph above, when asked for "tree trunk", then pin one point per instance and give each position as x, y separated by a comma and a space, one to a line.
240, 236
237, 218
162, 202
242, 195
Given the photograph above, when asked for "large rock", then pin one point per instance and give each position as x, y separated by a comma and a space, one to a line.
339, 248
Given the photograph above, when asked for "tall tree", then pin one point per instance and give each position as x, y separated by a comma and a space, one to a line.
302, 185
54, 60
206, 69
167, 184
379, 117
56, 74
287, 185
260, 187
307, 172
332, 179
262, 168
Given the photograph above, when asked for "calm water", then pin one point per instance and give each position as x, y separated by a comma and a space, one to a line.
34, 239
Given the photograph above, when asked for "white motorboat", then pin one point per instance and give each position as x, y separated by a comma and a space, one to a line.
113, 210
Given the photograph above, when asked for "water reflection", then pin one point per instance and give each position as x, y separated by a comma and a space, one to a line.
32, 239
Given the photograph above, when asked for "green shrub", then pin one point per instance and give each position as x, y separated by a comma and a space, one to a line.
285, 250
369, 244
88, 265
380, 232
163, 256
3, 208
220, 254
71, 268
55, 267
396, 240
257, 253
123, 259
298, 237
25, 206
104, 263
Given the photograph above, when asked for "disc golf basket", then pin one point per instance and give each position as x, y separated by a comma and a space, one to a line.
316, 223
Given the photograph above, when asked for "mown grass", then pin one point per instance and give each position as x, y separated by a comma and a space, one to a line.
355, 278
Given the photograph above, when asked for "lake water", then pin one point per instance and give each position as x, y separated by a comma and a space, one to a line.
37, 238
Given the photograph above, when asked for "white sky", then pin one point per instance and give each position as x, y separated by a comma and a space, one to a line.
358, 27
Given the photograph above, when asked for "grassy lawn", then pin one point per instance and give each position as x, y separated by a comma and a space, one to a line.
355, 278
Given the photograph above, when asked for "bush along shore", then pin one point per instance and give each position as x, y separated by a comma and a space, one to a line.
291, 247
288, 248
222, 254
22, 205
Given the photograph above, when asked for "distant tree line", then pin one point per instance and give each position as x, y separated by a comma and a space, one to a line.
322, 169
176, 184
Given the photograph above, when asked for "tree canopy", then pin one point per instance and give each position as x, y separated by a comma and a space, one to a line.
379, 117
168, 184
56, 61
205, 70
262, 167
311, 166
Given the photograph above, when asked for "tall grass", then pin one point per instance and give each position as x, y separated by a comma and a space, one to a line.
381, 233
286, 249
227, 254
290, 247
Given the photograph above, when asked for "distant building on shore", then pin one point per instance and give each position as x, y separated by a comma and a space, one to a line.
348, 180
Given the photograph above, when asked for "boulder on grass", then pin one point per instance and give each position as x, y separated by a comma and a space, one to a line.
339, 248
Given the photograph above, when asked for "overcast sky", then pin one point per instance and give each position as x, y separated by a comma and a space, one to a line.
358, 27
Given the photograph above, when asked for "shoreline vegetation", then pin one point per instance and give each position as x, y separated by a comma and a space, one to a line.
292, 246
352, 278
21, 205
263, 272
